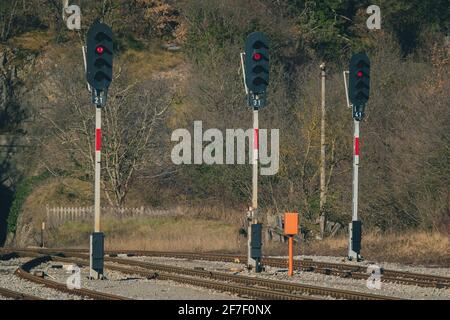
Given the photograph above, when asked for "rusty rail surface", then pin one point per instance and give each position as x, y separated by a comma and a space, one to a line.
245, 285
23, 272
335, 269
309, 265
255, 282
240, 290
17, 295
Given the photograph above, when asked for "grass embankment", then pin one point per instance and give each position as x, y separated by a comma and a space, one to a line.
408, 248
161, 233
202, 235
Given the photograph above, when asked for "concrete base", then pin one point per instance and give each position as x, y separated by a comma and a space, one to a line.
94, 275
254, 252
96, 253
354, 241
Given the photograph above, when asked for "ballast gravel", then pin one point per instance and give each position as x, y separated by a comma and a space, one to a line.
12, 282
137, 287
437, 271
321, 280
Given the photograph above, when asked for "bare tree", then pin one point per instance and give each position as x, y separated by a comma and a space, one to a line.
131, 116
131, 119
8, 11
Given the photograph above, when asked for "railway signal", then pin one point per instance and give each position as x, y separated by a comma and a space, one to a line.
358, 95
359, 84
99, 67
256, 68
255, 63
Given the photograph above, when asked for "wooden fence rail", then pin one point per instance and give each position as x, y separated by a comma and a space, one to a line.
59, 215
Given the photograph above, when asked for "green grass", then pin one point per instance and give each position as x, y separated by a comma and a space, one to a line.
24, 189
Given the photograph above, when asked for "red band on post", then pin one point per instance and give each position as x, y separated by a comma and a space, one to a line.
356, 146
255, 139
98, 139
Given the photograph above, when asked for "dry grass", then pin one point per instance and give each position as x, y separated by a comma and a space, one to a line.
203, 235
144, 64
33, 40
161, 233
215, 228
407, 248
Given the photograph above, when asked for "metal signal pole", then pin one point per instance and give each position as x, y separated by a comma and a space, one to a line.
322, 156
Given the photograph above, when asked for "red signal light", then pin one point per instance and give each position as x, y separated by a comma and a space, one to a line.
360, 74
257, 56
100, 50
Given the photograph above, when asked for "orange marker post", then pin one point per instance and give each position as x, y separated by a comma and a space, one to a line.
291, 256
291, 229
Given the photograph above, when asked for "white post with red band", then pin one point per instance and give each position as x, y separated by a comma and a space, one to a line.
98, 148
254, 229
355, 170
255, 159
96, 247
354, 245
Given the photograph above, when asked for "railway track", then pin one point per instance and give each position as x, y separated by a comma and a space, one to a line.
336, 269
24, 272
254, 281
242, 285
244, 291
17, 295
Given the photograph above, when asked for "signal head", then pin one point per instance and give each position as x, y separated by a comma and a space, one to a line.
257, 63
359, 83
99, 58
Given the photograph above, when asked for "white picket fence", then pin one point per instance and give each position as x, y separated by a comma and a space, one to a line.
58, 215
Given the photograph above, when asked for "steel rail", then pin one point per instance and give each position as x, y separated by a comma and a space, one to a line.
258, 283
17, 295
336, 269
328, 268
245, 291
23, 272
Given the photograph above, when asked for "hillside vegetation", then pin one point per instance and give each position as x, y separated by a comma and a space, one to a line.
405, 154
